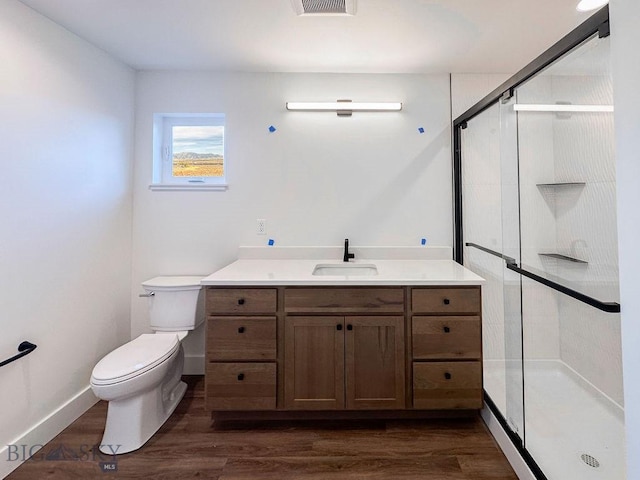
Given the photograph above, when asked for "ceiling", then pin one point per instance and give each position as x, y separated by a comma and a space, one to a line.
385, 36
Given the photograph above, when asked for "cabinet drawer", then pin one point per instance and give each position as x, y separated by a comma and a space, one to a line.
447, 385
343, 300
446, 337
241, 338
240, 386
445, 300
241, 300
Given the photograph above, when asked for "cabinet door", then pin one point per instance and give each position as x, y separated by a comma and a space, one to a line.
375, 365
314, 363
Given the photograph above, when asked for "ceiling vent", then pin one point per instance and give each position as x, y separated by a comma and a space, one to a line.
324, 7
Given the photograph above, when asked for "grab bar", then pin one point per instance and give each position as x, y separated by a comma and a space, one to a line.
25, 348
609, 307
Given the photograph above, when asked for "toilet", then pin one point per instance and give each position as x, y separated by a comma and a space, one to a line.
141, 379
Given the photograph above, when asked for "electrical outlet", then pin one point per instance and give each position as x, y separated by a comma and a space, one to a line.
261, 227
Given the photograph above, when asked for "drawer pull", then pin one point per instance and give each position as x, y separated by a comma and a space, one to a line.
446, 329
349, 327
446, 301
241, 376
447, 376
241, 301
339, 326
240, 329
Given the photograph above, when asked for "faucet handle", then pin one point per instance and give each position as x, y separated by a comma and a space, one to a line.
347, 255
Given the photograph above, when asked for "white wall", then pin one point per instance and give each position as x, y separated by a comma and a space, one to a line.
625, 38
66, 123
372, 178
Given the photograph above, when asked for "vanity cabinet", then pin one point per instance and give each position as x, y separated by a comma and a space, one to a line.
331, 348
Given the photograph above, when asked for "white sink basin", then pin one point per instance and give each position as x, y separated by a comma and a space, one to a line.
347, 269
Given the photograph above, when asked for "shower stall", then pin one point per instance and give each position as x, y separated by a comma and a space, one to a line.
535, 210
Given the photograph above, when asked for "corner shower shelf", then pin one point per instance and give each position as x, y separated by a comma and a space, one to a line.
562, 184
559, 256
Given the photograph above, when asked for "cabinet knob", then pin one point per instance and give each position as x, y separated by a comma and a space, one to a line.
447, 376
241, 301
446, 329
241, 376
446, 301
339, 326
240, 329
349, 327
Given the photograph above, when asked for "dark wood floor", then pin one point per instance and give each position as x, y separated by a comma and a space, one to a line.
188, 447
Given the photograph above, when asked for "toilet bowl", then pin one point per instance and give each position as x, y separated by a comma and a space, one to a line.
141, 379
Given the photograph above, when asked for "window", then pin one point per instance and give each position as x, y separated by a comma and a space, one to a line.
188, 152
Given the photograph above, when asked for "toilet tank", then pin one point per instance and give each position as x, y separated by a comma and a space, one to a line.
173, 305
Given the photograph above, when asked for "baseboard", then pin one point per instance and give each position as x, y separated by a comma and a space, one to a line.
193, 365
45, 430
508, 448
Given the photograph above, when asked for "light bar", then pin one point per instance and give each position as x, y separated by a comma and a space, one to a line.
523, 107
341, 106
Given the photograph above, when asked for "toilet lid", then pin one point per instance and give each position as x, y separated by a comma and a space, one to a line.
184, 282
135, 357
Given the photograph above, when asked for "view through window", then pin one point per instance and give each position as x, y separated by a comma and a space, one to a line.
197, 151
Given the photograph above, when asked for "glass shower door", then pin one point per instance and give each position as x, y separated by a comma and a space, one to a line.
510, 213
539, 223
488, 206
572, 352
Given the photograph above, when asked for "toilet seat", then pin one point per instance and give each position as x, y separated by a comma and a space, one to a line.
135, 358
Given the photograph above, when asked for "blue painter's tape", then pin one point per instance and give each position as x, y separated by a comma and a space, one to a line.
423, 241
421, 130
272, 128
271, 242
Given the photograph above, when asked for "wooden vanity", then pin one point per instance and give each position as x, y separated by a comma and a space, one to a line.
283, 348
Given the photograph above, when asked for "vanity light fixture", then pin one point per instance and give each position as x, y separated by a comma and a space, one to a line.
344, 107
523, 107
588, 5
324, 7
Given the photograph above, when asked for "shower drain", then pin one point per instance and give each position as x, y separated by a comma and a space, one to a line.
589, 460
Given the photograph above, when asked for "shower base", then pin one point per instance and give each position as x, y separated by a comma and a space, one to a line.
571, 429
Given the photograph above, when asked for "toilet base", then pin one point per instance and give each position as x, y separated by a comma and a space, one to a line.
132, 421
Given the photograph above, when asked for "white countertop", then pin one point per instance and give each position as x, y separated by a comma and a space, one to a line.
260, 272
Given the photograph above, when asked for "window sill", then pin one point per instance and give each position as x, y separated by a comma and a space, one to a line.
219, 187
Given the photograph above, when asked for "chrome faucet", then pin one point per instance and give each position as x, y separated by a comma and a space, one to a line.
347, 255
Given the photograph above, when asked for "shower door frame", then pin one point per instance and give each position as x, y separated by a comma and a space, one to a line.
597, 24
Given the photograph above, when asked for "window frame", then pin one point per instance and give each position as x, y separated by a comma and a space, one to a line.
162, 178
